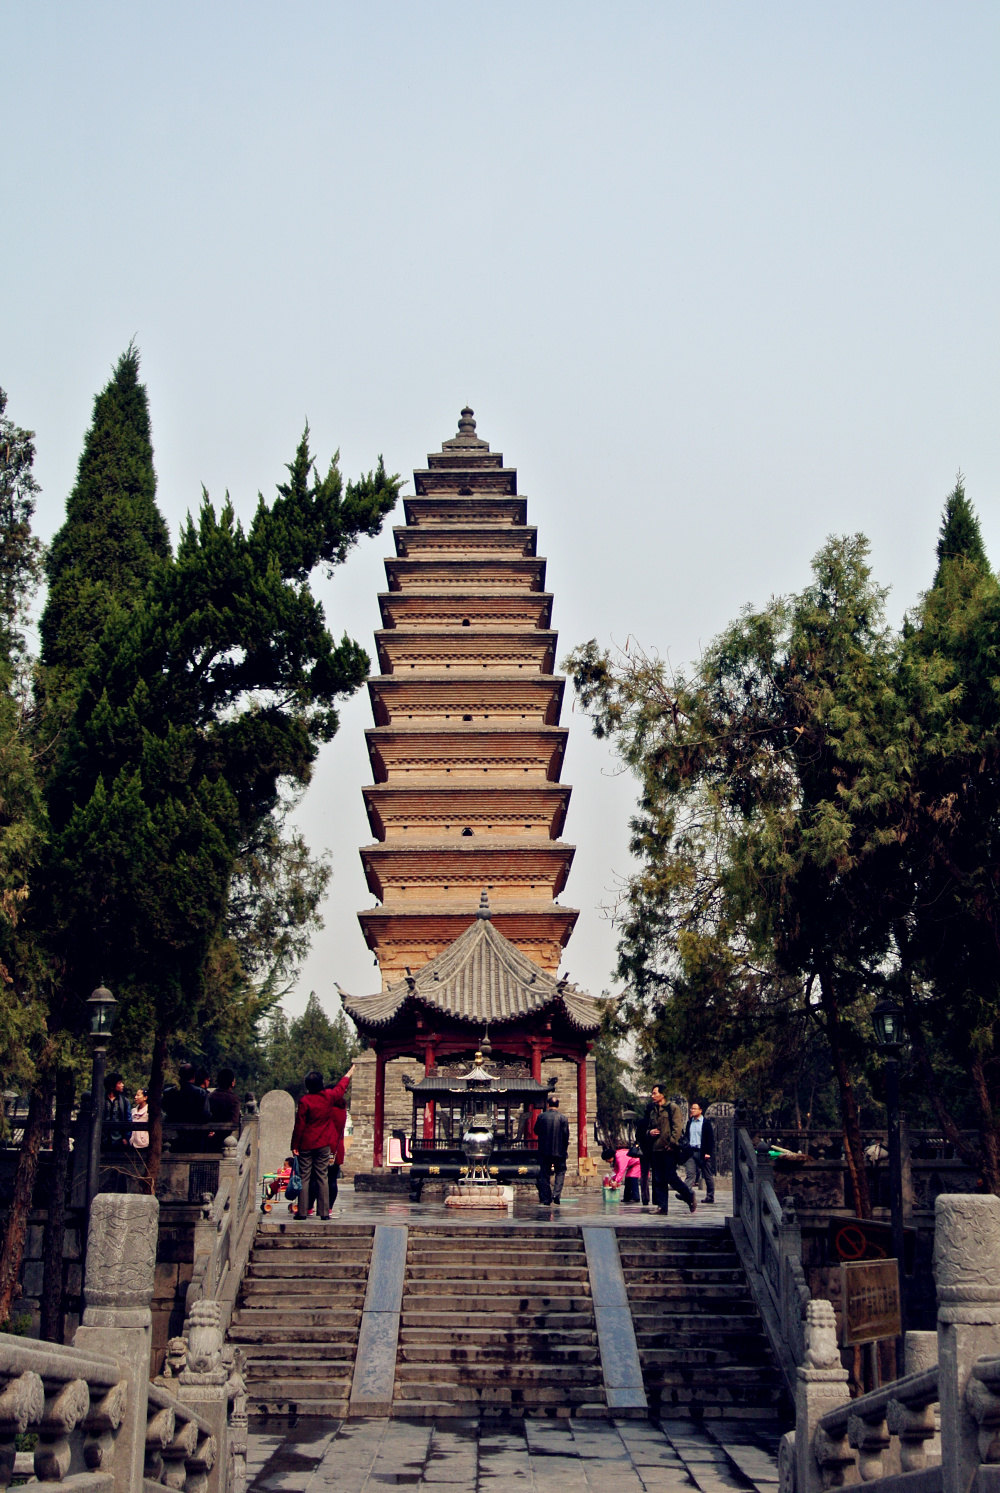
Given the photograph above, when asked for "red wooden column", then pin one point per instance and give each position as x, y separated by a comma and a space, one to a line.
429, 1065
379, 1126
536, 1061
581, 1107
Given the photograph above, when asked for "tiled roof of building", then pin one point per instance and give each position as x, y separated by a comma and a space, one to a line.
481, 978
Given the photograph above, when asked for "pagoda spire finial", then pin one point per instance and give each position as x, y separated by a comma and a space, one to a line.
484, 906
466, 439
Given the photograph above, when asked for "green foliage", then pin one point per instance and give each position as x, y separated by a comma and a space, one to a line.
200, 709
22, 812
291, 1047
766, 782
114, 538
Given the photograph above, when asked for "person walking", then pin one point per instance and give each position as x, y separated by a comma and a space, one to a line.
313, 1136
669, 1130
644, 1139
552, 1134
699, 1135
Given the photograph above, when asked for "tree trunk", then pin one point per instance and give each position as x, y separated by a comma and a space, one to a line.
53, 1305
987, 1126
156, 1075
853, 1149
12, 1255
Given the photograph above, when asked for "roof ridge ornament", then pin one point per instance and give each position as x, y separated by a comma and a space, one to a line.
483, 910
466, 421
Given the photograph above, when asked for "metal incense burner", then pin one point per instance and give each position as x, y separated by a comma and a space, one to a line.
475, 1129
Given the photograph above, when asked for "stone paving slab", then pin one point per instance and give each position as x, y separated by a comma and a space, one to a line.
585, 1206
543, 1456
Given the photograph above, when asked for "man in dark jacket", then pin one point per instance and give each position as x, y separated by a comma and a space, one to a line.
187, 1105
699, 1134
552, 1134
644, 1140
666, 1132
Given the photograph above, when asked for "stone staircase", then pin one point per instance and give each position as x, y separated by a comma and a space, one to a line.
703, 1349
497, 1321
298, 1316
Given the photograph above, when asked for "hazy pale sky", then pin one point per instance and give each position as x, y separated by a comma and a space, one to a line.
718, 279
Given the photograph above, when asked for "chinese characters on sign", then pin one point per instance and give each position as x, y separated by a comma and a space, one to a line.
871, 1301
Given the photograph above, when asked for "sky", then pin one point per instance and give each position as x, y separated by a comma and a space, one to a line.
719, 280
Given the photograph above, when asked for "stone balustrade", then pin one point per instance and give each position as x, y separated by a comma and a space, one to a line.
98, 1421
889, 1438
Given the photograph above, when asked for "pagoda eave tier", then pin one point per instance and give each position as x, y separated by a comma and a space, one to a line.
511, 871
465, 480
499, 573
434, 925
467, 696
477, 808
447, 508
465, 541
453, 606
429, 647
464, 748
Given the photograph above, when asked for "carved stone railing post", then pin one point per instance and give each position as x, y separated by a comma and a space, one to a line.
967, 1270
916, 1425
118, 1287
821, 1386
203, 1385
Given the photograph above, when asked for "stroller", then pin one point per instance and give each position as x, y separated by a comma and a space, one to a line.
287, 1180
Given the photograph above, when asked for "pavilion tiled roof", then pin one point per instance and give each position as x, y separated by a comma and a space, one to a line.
480, 978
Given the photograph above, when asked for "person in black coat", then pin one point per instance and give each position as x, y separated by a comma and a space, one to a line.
644, 1140
552, 1134
699, 1134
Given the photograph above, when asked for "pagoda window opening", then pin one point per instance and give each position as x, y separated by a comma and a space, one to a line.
467, 717
466, 622
467, 831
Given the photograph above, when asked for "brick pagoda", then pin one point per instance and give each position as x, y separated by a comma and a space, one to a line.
467, 749
466, 754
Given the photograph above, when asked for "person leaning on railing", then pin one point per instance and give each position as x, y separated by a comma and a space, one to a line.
315, 1136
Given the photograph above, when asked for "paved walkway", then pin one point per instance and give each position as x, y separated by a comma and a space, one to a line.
579, 1205
547, 1456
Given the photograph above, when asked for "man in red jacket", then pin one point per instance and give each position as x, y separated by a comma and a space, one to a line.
314, 1136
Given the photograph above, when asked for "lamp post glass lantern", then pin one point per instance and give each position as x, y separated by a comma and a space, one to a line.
887, 1020
102, 1009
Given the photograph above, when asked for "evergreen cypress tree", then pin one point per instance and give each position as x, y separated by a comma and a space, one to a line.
114, 535
960, 537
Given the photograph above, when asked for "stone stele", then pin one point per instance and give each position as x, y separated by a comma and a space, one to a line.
277, 1116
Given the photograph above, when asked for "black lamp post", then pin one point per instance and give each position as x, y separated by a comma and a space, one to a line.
102, 1009
890, 1031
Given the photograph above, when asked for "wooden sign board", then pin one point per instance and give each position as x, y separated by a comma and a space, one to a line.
871, 1301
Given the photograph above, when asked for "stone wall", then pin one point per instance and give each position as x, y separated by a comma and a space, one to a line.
399, 1104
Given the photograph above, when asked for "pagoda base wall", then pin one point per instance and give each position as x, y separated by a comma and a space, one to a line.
399, 1105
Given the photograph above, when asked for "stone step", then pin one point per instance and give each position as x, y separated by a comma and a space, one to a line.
341, 1254
284, 1370
299, 1269
485, 1373
503, 1397
486, 1332
495, 1290
293, 1322
275, 1228
662, 1331
325, 1408
496, 1354
324, 1346
701, 1294
335, 1387
715, 1381
472, 1255
694, 1275
267, 1296
544, 1315
494, 1273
